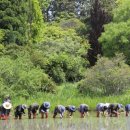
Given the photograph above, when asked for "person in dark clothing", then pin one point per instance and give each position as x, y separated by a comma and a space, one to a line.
32, 110
44, 109
5, 110
83, 109
19, 111
59, 109
0, 111
102, 108
113, 109
127, 109
71, 109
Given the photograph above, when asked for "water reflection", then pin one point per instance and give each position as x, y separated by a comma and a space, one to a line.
90, 123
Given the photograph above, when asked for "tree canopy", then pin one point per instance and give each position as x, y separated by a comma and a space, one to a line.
116, 38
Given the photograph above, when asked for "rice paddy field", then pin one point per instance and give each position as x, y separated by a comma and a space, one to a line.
89, 123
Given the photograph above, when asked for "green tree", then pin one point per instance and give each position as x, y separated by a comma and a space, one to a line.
60, 54
13, 21
35, 21
116, 36
21, 21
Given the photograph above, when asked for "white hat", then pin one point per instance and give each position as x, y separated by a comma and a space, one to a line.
7, 105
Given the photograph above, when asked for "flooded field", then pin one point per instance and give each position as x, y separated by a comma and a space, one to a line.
90, 123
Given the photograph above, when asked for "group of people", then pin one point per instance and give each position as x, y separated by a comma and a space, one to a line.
102, 109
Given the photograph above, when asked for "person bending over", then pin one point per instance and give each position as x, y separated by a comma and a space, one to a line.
127, 109
83, 109
60, 109
71, 109
113, 109
19, 111
102, 108
44, 109
32, 110
5, 110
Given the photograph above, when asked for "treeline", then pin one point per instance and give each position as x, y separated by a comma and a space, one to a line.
46, 43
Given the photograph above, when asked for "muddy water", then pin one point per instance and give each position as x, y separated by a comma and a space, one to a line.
90, 123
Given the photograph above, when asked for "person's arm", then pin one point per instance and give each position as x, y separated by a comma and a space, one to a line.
22, 111
71, 113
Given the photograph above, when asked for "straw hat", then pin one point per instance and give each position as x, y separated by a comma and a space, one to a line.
7, 105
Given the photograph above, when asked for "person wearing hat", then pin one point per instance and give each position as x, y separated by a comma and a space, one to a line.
71, 109
59, 109
32, 110
44, 109
102, 108
127, 109
113, 109
7, 99
19, 111
5, 110
83, 109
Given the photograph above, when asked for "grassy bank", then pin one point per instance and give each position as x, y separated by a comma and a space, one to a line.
68, 94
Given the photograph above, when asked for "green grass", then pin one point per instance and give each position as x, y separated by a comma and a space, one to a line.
68, 94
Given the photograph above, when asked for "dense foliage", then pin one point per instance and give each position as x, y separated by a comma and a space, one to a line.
116, 36
107, 77
18, 75
64, 61
44, 43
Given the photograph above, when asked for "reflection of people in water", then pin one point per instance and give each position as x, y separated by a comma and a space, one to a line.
83, 109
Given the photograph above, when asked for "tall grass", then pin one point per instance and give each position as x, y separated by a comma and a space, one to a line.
68, 94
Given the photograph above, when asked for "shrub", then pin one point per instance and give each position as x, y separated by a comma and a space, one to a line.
107, 77
19, 77
64, 67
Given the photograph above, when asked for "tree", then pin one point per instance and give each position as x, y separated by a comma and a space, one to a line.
53, 9
21, 21
35, 21
98, 17
13, 21
116, 36
63, 48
